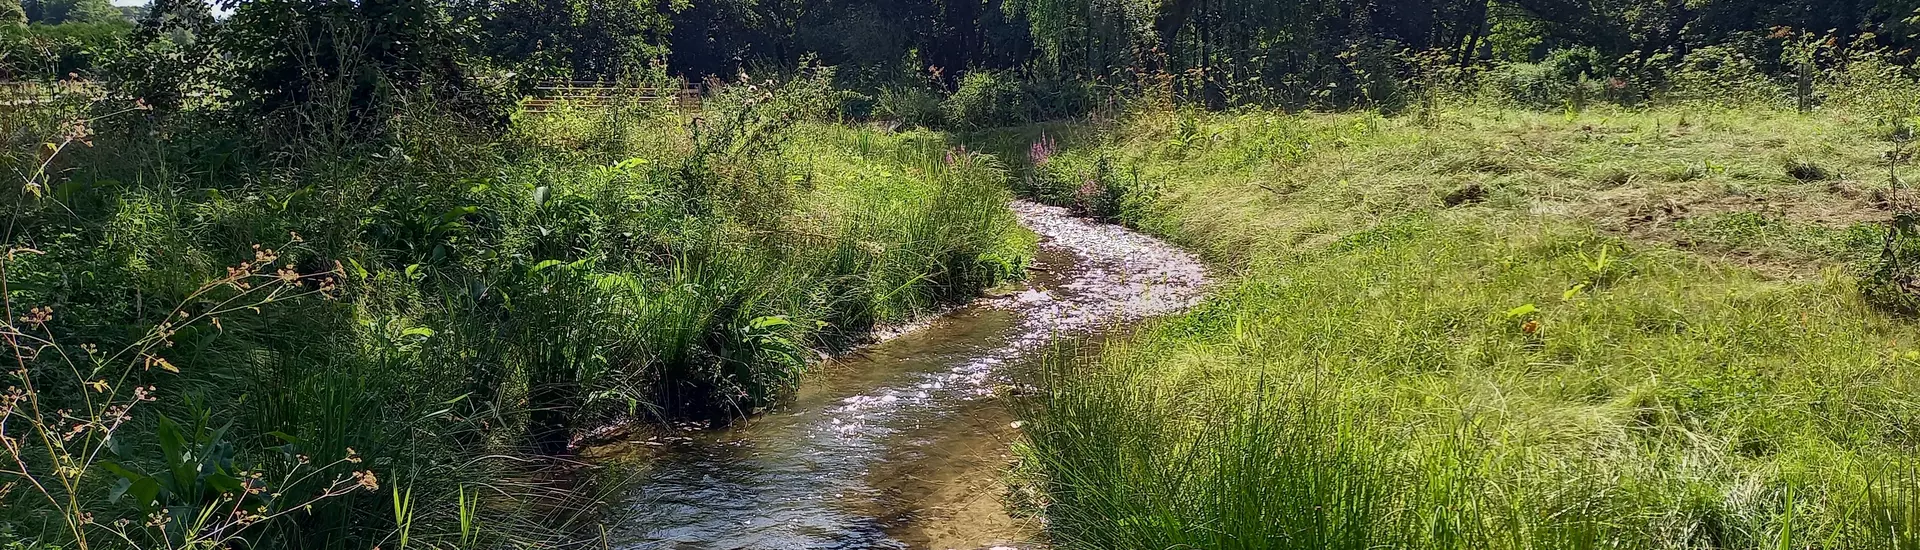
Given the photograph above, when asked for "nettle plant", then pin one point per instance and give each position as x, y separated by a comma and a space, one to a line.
64, 405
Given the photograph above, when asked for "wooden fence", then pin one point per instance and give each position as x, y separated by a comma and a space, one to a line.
586, 93
547, 95
32, 93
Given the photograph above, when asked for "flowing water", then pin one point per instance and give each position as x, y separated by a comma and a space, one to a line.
902, 444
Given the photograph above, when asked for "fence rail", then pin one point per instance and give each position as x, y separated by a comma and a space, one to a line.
34, 93
549, 96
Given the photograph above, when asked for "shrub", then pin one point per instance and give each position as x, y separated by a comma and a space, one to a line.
1871, 81
910, 106
1725, 76
1378, 73
988, 99
1893, 282
1089, 184
1565, 77
1059, 98
44, 52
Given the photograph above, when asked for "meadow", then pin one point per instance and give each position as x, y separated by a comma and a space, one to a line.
1481, 326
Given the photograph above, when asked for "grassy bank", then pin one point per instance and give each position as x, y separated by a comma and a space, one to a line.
1489, 328
406, 322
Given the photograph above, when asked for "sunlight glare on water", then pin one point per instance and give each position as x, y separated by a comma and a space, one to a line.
843, 464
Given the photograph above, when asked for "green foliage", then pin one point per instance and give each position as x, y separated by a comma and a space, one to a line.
1092, 184
329, 72
51, 52
1565, 77
1326, 54
1056, 97
12, 14
55, 12
498, 294
1891, 282
1875, 81
911, 106
1449, 337
987, 100
590, 40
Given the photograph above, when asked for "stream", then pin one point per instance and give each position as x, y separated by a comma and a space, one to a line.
902, 444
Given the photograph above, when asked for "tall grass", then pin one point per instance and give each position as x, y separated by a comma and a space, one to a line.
500, 294
1547, 364
1143, 465
1301, 410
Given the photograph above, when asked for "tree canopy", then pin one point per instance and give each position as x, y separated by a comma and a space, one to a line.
54, 12
274, 53
11, 13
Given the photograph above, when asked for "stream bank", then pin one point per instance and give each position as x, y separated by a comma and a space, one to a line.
901, 445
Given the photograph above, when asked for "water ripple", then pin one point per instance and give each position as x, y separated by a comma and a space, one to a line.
798, 478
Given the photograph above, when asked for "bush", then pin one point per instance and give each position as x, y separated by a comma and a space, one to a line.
1378, 71
1893, 281
1873, 82
1060, 98
1091, 184
1565, 77
909, 106
988, 99
1725, 76
45, 52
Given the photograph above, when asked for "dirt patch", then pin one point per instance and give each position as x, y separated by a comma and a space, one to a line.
1652, 216
1470, 193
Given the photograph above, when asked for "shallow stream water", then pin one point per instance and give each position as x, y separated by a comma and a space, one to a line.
902, 444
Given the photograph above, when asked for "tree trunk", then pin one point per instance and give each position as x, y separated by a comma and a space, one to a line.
1473, 38
1173, 15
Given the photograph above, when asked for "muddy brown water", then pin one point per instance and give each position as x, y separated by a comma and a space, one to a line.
902, 444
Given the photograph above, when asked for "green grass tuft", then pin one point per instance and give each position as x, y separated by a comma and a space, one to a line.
1595, 355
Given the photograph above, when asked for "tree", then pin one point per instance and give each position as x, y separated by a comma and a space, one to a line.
54, 12
337, 69
11, 14
575, 38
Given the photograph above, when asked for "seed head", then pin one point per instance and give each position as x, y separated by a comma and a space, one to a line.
38, 316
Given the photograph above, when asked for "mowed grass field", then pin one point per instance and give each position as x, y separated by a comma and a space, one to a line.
1489, 328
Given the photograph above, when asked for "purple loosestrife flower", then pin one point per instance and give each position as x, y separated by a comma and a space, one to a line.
1042, 150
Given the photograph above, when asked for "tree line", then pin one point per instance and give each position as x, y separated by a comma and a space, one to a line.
1329, 53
